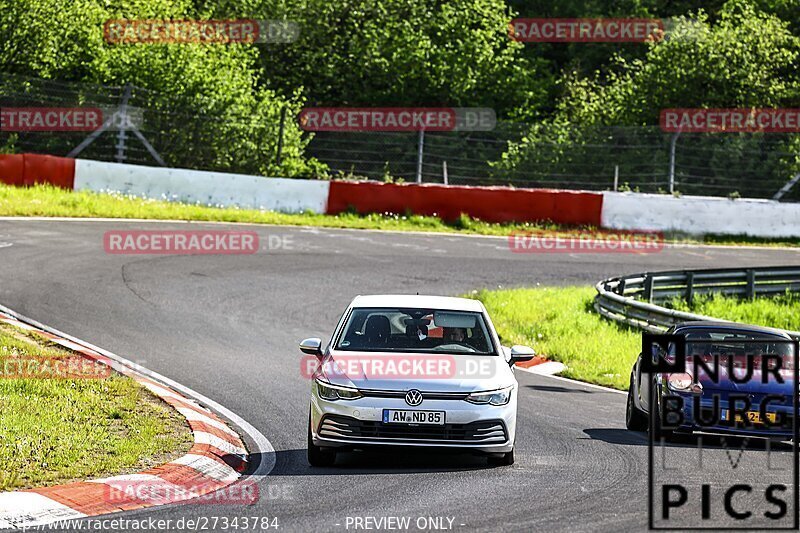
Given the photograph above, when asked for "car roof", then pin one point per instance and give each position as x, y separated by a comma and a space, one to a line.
418, 300
730, 326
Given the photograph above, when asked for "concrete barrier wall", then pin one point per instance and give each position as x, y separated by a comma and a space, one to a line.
206, 188
624, 211
700, 215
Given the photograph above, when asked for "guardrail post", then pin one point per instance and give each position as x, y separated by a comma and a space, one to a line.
672, 143
751, 284
648, 288
689, 288
621, 287
420, 152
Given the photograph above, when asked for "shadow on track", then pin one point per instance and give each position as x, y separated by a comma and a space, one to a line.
552, 388
294, 463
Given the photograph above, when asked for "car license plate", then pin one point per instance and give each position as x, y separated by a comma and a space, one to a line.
403, 416
753, 416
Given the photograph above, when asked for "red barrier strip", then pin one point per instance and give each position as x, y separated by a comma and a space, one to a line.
30, 169
491, 204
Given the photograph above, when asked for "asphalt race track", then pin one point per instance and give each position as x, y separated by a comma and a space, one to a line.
228, 327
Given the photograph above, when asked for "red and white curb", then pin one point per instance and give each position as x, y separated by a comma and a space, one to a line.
541, 366
544, 367
216, 460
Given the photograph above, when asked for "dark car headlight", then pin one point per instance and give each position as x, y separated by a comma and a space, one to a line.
684, 382
330, 392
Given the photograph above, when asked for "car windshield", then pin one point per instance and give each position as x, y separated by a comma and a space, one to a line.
415, 330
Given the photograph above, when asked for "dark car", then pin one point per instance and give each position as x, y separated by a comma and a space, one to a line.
738, 379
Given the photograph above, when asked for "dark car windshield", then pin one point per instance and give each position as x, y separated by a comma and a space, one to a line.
415, 330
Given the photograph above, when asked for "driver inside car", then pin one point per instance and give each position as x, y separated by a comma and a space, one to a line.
454, 334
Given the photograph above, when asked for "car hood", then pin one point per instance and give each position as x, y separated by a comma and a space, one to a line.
425, 372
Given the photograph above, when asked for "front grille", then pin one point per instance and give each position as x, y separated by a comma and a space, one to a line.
345, 427
426, 395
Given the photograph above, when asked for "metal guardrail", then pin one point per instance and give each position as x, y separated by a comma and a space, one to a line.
634, 299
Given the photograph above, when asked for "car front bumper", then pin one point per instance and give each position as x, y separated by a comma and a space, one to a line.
359, 424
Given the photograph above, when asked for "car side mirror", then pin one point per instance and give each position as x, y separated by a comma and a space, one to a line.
521, 353
312, 346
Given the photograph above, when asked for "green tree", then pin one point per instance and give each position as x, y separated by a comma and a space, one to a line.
401, 53
748, 58
205, 100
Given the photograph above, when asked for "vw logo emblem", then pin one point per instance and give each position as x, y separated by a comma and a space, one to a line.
413, 397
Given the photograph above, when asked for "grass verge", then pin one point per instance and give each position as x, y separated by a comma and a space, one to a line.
55, 430
561, 324
49, 201
782, 311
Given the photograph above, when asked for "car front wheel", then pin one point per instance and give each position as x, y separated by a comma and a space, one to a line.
635, 418
659, 431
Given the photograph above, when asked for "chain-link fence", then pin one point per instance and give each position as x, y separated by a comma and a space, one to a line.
159, 130
202, 134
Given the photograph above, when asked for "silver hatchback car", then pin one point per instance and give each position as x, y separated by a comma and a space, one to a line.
414, 371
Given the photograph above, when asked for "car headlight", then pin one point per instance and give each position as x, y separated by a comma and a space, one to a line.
326, 391
492, 397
